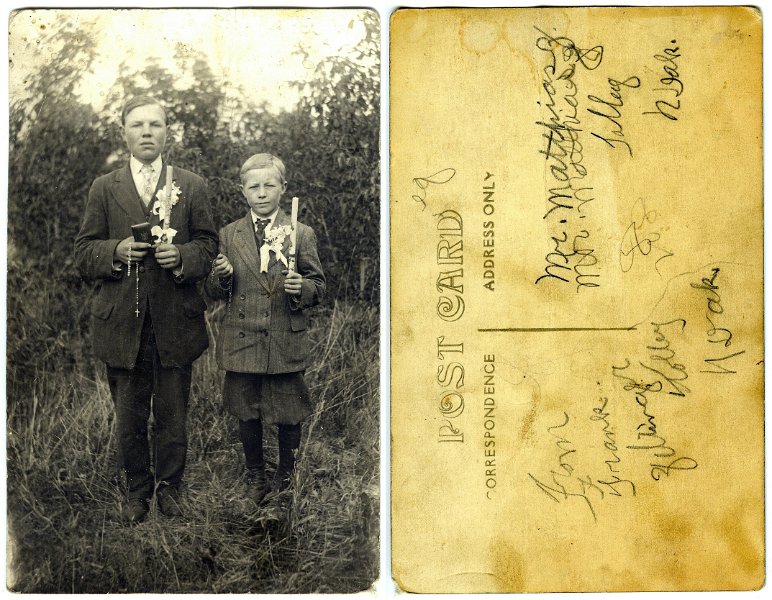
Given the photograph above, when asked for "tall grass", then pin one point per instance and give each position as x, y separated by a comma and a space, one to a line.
64, 534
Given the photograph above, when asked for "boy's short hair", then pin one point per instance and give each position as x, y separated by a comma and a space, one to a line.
263, 161
138, 101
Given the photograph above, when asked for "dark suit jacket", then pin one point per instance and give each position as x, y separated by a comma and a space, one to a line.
175, 305
264, 329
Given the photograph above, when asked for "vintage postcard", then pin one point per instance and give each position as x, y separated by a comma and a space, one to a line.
577, 315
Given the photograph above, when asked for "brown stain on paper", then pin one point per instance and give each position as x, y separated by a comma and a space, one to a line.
479, 35
743, 549
508, 566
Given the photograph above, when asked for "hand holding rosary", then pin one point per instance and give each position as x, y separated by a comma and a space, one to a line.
131, 251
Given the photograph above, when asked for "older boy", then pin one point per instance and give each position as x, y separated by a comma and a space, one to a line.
148, 317
263, 345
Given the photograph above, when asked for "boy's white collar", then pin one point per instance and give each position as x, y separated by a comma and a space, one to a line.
136, 165
271, 217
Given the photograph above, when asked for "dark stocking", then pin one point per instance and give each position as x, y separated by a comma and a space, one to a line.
251, 435
289, 442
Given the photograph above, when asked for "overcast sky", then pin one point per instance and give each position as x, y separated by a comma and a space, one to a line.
248, 47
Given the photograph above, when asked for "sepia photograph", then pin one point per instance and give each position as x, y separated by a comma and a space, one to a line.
193, 301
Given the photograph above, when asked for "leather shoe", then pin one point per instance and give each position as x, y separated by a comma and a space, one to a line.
257, 485
134, 510
169, 503
282, 480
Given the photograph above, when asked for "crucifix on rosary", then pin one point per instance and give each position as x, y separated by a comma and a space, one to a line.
128, 272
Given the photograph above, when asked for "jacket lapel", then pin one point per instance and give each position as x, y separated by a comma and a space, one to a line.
126, 195
246, 248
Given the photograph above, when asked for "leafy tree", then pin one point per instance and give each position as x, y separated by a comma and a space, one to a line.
339, 165
56, 148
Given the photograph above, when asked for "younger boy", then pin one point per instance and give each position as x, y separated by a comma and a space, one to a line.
263, 345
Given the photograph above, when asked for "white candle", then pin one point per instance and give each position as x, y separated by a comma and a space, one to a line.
166, 205
293, 233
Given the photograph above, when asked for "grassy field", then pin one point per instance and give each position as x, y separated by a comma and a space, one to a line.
64, 535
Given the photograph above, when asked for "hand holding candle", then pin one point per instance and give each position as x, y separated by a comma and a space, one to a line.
293, 283
167, 256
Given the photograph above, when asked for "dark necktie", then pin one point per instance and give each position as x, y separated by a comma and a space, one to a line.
260, 225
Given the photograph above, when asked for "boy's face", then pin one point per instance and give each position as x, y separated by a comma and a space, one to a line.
263, 189
145, 132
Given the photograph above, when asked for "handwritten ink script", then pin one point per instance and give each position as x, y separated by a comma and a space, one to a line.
641, 238
669, 102
424, 183
719, 363
571, 257
598, 480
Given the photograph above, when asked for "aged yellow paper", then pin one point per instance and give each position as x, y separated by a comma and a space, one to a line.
577, 327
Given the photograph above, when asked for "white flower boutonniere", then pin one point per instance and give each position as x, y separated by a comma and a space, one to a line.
274, 239
160, 201
167, 197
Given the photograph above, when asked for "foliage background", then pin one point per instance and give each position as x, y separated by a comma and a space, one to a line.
62, 532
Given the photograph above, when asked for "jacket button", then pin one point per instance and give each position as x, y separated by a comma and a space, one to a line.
241, 334
241, 315
142, 269
266, 313
265, 332
243, 296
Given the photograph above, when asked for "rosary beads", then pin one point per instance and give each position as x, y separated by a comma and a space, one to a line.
230, 287
128, 273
